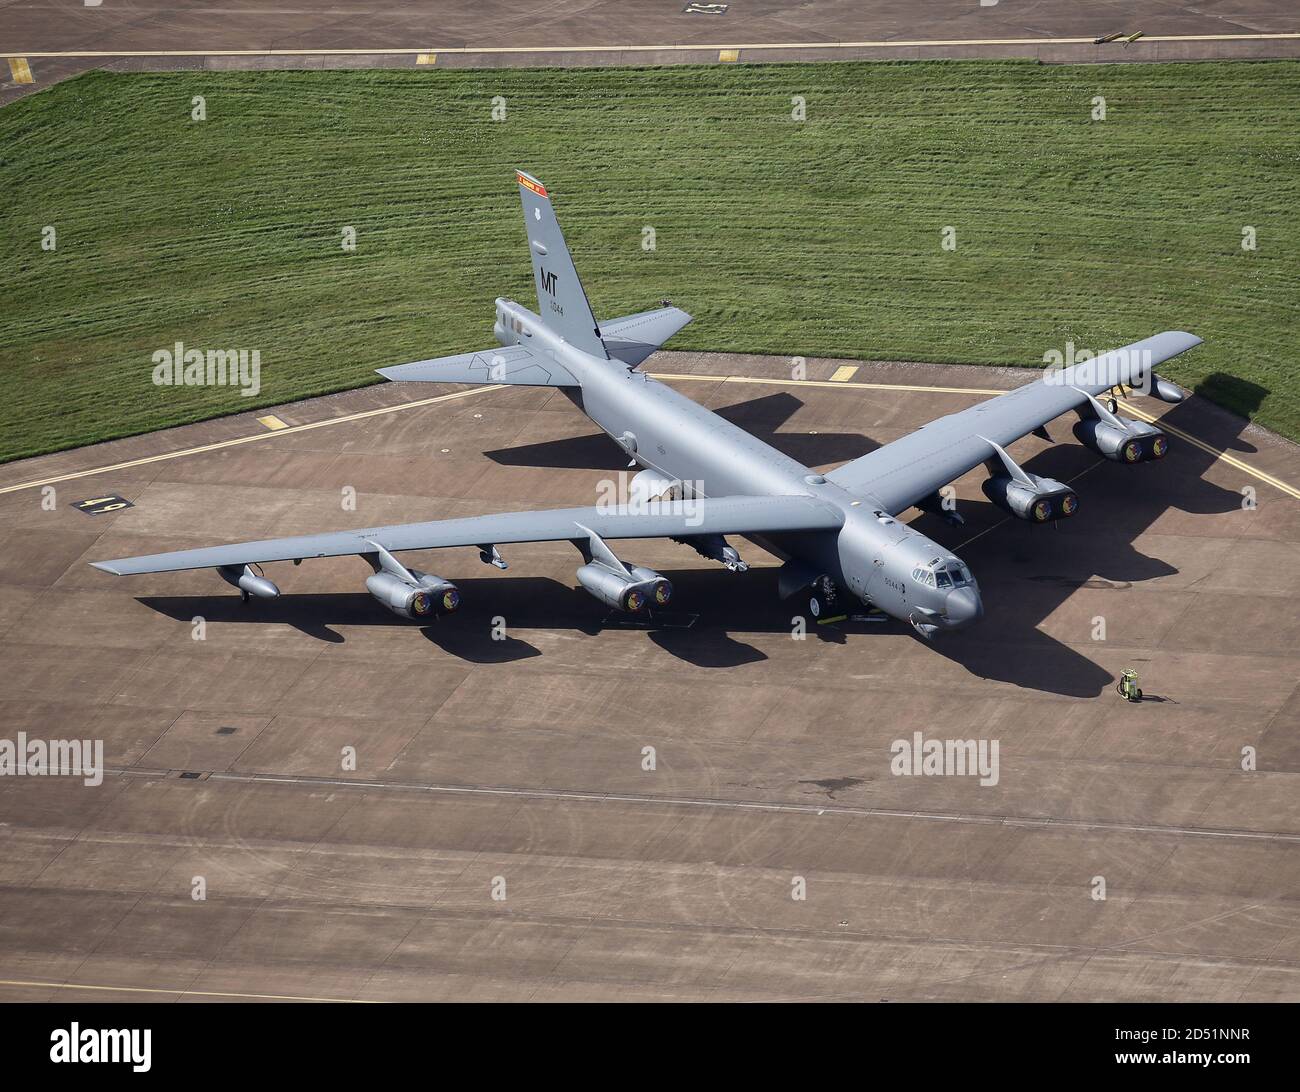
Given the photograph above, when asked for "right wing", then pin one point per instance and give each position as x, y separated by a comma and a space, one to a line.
514, 364
909, 469
656, 519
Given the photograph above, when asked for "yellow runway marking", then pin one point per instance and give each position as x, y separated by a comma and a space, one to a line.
272, 422
824, 383
427, 58
728, 56
218, 445
844, 374
1231, 460
182, 992
1125, 407
651, 48
20, 70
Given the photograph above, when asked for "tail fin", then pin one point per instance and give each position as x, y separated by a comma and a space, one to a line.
561, 302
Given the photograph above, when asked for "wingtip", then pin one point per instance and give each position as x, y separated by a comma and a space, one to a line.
105, 567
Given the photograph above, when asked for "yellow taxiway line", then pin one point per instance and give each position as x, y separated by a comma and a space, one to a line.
288, 430
833, 384
182, 992
669, 47
1125, 407
1231, 460
836, 384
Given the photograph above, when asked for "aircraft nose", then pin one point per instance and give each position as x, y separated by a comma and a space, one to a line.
962, 607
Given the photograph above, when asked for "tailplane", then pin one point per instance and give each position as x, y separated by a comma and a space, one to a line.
561, 303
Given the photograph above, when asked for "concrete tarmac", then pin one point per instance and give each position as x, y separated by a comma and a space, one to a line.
54, 39
377, 811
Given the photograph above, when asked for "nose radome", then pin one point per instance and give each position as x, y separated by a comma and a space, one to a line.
963, 606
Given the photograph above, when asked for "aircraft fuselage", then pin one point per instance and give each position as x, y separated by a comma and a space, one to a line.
873, 556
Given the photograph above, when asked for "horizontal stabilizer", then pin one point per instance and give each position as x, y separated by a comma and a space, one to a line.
632, 338
514, 365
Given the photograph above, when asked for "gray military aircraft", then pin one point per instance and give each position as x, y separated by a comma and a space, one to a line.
703, 478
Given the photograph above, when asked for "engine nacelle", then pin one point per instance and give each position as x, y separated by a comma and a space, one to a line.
1133, 442
658, 589
1043, 501
425, 600
446, 596
643, 588
248, 582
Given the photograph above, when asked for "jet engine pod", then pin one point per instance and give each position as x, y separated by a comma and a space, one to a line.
611, 588
1040, 502
446, 596
1130, 442
658, 588
632, 594
417, 602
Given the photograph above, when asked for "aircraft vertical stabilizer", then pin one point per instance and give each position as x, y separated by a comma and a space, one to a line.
561, 302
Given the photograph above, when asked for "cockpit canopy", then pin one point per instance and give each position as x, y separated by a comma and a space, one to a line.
944, 573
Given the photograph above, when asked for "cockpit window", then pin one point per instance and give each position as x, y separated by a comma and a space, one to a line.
942, 579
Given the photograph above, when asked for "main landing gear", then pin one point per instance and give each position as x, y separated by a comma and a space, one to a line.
823, 596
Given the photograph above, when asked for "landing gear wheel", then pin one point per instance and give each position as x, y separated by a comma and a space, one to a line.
822, 596
1112, 404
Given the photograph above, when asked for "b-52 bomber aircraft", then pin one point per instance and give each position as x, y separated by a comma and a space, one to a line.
703, 478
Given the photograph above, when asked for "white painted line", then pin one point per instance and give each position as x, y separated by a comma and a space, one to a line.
663, 47
180, 991
735, 805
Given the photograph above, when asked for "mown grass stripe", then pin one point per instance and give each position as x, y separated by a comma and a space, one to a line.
814, 238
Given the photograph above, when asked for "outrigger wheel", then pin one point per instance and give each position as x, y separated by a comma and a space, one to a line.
822, 596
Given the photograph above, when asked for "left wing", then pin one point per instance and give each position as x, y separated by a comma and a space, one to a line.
656, 519
912, 468
515, 364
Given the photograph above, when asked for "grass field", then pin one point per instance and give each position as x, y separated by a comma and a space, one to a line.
819, 237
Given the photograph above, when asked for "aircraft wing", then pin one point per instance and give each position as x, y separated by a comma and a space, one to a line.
515, 364
913, 467
632, 338
657, 519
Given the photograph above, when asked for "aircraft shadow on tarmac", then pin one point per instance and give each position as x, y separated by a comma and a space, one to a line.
761, 417
1025, 572
710, 605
